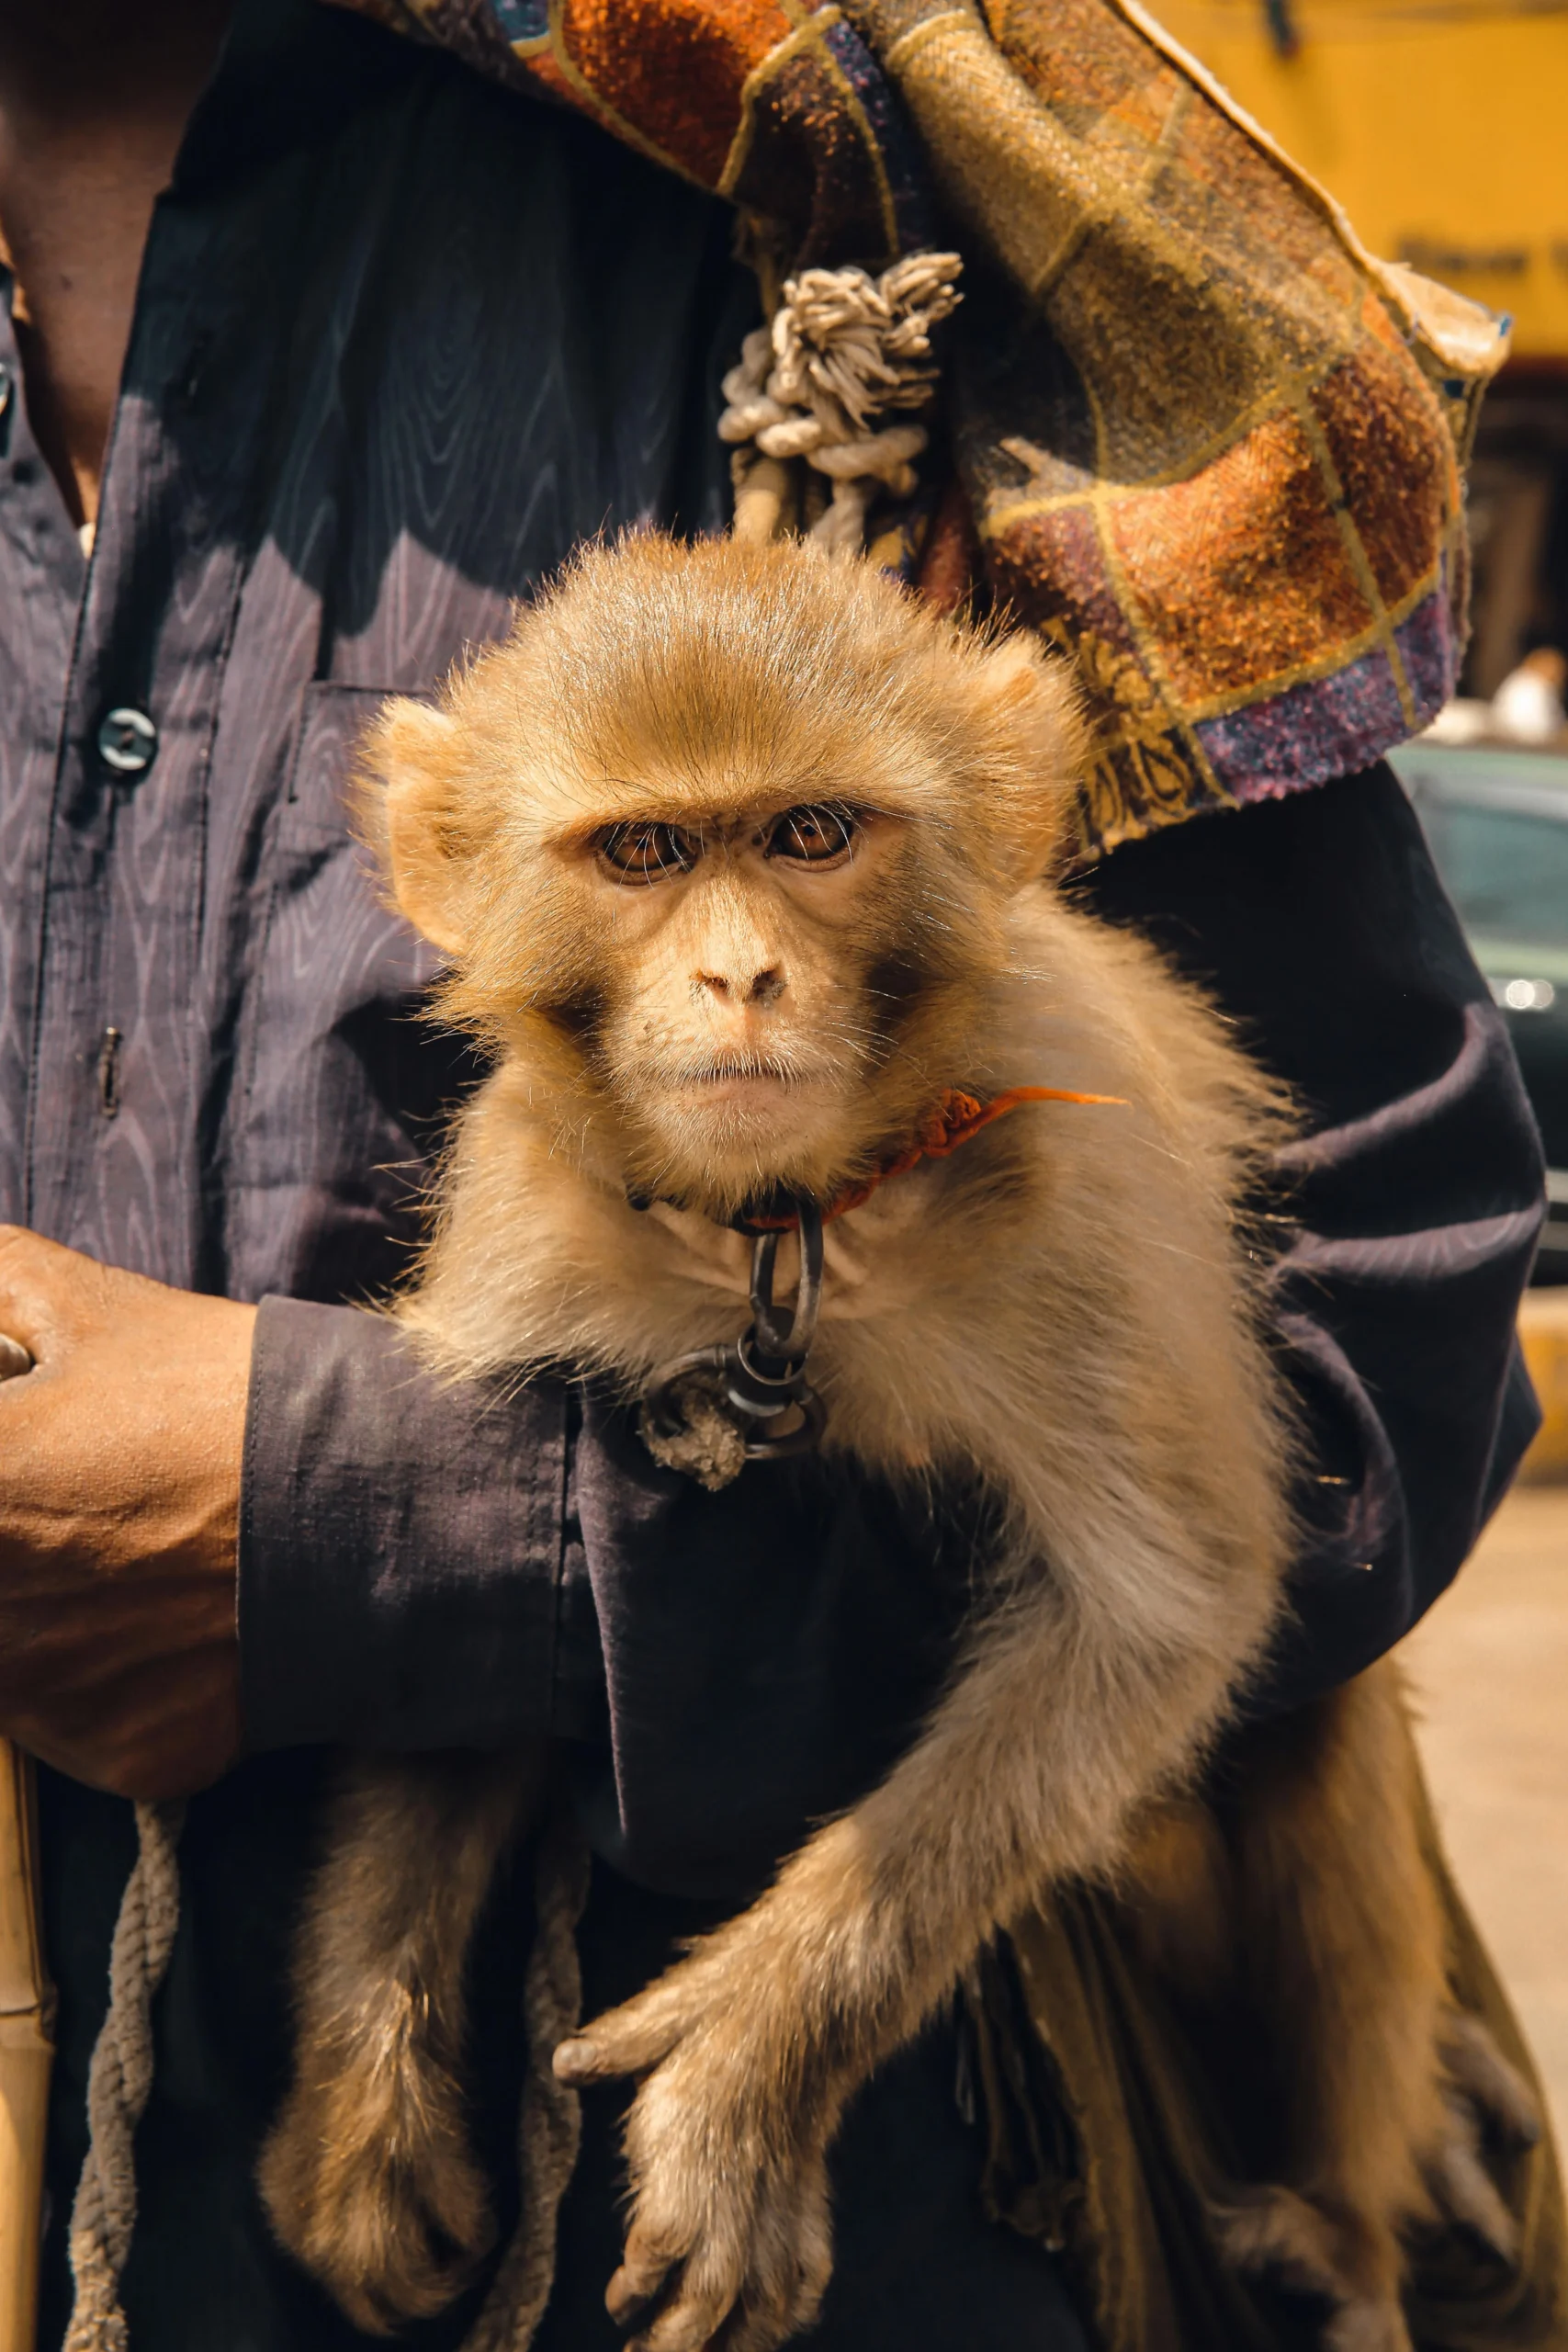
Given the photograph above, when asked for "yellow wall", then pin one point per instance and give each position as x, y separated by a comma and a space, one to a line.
1444, 135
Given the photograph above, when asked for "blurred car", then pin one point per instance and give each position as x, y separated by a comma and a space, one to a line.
1497, 823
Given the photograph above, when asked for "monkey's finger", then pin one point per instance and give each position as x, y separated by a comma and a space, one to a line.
577, 2063
622, 2042
813, 2253
691, 2320
581, 2060
646, 2263
759, 2328
764, 2318
792, 2261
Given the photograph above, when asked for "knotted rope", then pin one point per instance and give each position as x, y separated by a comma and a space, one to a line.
550, 2125
842, 348
119, 2080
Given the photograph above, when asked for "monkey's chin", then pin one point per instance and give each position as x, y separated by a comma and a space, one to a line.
729, 1139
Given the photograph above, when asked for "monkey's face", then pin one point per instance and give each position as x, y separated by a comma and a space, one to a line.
763, 993
722, 844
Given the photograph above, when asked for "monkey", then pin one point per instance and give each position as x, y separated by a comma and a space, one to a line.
747, 868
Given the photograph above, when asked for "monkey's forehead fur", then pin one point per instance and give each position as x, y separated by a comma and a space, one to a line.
653, 677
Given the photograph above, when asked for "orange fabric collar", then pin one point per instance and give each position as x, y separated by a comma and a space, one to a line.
952, 1120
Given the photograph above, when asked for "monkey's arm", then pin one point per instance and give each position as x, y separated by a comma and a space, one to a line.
1062, 1720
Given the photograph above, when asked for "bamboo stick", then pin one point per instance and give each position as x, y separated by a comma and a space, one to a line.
26, 2052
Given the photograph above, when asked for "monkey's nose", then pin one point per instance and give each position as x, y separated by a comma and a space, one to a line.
763, 988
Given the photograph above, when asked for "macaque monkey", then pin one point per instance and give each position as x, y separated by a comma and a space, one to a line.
744, 863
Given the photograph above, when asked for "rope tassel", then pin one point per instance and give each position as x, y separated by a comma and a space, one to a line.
842, 348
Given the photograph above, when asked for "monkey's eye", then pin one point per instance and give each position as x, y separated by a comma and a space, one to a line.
641, 849
813, 835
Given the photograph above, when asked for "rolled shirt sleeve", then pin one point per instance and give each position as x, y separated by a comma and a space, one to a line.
402, 1578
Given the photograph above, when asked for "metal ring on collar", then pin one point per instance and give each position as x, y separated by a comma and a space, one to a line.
788, 1343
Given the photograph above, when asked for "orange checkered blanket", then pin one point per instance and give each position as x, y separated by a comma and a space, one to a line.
1207, 443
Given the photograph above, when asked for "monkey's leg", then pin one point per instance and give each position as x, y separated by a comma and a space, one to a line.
366, 2176
1344, 1943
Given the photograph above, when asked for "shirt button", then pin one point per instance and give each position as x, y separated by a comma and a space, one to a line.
127, 740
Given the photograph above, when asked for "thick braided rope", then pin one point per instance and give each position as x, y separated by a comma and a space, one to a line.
119, 2081
551, 2122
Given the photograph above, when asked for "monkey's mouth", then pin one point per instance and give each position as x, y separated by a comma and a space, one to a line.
738, 1077
742, 1085
757, 1102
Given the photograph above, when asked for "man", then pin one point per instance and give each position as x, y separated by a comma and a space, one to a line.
277, 440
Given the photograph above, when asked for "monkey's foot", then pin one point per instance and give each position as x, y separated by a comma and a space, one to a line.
386, 2211
1274, 2233
729, 2226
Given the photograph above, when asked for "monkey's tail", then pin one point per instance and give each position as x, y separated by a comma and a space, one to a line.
550, 2125
119, 2080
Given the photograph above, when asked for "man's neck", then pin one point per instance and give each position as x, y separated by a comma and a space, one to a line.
93, 101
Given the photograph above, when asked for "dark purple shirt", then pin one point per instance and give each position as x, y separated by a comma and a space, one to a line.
399, 341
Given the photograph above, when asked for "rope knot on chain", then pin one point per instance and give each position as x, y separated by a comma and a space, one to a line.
843, 348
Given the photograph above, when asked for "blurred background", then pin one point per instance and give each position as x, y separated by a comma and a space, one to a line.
1442, 128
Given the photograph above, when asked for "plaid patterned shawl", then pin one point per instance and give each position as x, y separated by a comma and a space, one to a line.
1207, 443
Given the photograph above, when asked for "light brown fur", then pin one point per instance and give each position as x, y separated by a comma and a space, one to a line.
1066, 1306
368, 2171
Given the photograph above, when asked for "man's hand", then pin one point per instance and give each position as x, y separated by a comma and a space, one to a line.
119, 1496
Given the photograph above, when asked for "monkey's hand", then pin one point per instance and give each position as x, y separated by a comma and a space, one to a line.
729, 2238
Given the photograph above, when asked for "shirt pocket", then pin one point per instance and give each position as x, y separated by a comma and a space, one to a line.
318, 799
345, 1088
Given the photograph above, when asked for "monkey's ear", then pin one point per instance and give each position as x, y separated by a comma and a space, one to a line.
1033, 708
412, 815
